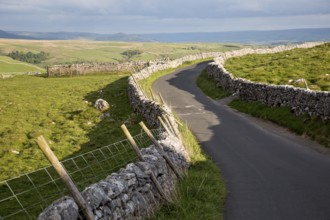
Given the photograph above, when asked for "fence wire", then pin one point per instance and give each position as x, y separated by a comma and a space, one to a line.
25, 196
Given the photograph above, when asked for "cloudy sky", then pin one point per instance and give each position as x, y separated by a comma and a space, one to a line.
162, 16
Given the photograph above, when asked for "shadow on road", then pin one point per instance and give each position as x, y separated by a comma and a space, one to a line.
269, 176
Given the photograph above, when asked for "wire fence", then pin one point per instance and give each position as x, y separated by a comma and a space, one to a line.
26, 196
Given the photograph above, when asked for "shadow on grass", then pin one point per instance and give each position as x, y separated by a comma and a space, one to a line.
90, 164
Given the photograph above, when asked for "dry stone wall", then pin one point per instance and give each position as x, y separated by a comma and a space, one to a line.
130, 194
146, 107
85, 68
314, 103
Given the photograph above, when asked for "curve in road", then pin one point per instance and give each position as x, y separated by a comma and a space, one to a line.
269, 174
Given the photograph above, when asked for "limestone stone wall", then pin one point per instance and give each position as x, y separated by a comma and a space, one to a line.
146, 72
85, 68
130, 193
314, 103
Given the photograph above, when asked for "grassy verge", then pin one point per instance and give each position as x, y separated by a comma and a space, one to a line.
201, 195
301, 125
209, 87
280, 68
8, 65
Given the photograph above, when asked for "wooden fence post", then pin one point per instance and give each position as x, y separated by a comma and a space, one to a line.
65, 178
138, 85
171, 124
161, 98
153, 139
164, 125
168, 124
137, 151
152, 95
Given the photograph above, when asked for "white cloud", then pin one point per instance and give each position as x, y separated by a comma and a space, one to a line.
137, 16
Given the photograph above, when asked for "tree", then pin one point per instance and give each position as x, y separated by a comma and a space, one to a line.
29, 57
130, 53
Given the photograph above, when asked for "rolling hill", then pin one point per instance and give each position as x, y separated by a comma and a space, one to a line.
8, 65
4, 34
265, 37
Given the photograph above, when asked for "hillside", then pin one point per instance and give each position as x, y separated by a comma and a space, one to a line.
253, 36
81, 35
69, 51
286, 67
8, 65
4, 34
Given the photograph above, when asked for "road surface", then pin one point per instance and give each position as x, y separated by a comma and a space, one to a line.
270, 173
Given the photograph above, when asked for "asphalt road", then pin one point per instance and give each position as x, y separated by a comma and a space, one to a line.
270, 173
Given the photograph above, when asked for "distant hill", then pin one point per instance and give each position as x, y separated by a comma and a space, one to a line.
8, 65
4, 34
266, 37
80, 36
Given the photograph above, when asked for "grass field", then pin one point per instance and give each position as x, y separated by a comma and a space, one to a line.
61, 52
311, 64
62, 110
8, 65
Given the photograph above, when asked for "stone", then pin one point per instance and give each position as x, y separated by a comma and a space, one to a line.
98, 213
95, 196
101, 105
62, 209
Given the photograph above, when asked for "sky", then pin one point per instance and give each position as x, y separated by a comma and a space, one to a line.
161, 16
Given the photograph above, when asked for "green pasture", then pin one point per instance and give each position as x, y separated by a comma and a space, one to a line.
62, 110
8, 65
72, 51
280, 68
